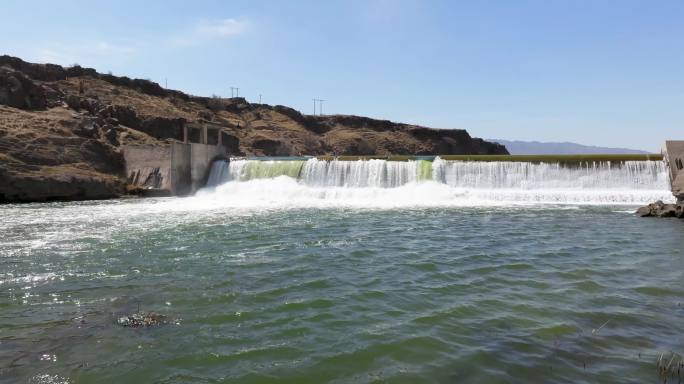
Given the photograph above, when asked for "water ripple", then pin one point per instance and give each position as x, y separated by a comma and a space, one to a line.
487, 294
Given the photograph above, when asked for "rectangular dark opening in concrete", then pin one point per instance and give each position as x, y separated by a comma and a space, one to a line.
194, 135
212, 136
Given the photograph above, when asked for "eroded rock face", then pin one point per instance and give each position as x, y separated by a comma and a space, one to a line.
270, 147
360, 122
19, 91
289, 112
54, 155
660, 209
163, 128
69, 185
42, 72
231, 142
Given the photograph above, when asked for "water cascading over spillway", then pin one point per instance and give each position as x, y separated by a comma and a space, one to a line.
500, 181
523, 175
322, 173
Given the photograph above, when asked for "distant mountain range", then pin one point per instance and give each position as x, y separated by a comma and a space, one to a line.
516, 147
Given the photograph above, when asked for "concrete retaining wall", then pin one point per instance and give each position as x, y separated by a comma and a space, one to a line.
181, 162
148, 166
673, 152
179, 168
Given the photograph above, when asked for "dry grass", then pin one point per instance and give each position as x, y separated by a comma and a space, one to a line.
143, 104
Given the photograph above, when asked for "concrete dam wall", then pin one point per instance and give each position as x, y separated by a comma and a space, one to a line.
673, 152
174, 169
182, 168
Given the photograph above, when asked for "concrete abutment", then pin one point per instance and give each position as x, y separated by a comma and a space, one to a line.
673, 154
175, 168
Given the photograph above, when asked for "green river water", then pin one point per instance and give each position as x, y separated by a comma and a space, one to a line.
535, 293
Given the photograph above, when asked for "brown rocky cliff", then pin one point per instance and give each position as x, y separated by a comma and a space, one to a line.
53, 155
62, 130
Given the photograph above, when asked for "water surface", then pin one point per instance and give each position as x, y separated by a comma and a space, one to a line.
362, 289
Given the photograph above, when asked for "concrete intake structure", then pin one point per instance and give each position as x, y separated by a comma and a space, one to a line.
175, 168
673, 154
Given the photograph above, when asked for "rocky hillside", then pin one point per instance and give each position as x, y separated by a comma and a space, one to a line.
62, 130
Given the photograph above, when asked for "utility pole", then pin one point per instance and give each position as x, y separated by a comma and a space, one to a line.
237, 92
234, 92
260, 98
320, 106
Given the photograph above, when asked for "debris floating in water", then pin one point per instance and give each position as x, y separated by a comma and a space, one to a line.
141, 320
597, 330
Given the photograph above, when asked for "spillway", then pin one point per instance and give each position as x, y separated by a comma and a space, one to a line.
444, 181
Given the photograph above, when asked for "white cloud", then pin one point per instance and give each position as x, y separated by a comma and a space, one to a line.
93, 52
49, 55
206, 30
221, 28
104, 49
85, 52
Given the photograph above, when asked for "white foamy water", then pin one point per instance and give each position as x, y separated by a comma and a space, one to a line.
380, 183
629, 175
359, 174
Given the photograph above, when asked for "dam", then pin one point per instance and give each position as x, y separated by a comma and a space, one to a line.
183, 168
445, 180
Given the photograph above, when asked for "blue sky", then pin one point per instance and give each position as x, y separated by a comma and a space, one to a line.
599, 72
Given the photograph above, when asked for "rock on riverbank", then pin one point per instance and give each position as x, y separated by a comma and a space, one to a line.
660, 209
